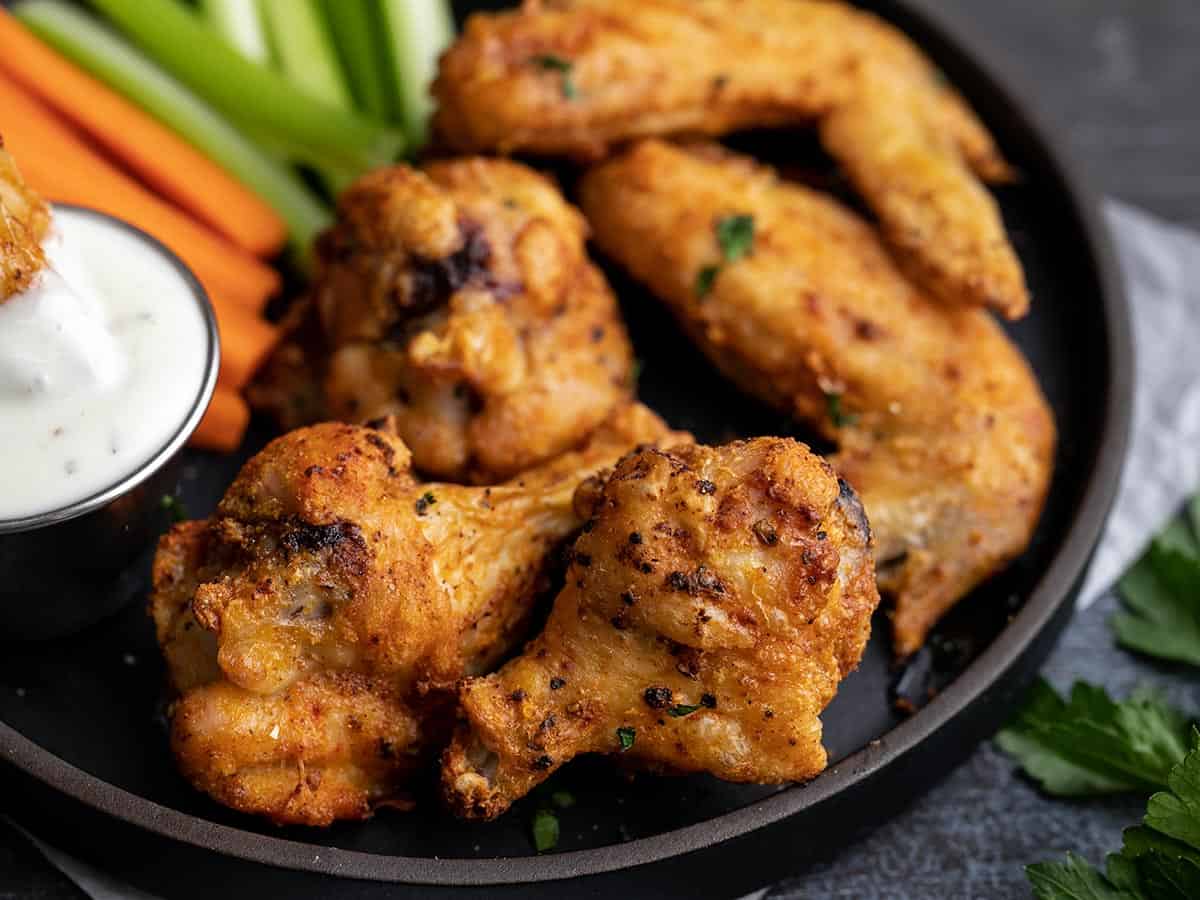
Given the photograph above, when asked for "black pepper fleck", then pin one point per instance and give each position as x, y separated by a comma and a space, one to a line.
658, 697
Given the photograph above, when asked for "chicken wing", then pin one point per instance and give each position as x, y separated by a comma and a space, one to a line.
460, 300
314, 628
24, 221
576, 76
941, 425
713, 603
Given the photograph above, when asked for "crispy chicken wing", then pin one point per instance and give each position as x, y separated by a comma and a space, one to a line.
316, 625
941, 425
460, 300
576, 76
24, 221
714, 601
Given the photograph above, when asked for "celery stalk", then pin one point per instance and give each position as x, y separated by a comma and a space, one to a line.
180, 41
417, 31
99, 51
239, 23
358, 35
305, 51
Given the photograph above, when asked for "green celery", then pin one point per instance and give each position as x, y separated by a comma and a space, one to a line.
239, 22
358, 36
102, 53
417, 31
182, 43
304, 49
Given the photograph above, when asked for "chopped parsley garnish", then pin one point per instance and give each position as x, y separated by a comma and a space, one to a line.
563, 799
626, 736
174, 506
552, 63
735, 237
682, 709
1161, 594
635, 373
425, 501
545, 830
735, 234
838, 417
704, 280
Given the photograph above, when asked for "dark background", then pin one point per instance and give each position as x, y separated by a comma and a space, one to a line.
1119, 81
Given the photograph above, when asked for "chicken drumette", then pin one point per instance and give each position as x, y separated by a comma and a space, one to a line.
577, 76
941, 425
714, 601
315, 626
24, 221
458, 299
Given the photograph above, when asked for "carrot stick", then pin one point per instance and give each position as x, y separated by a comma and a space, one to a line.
224, 422
61, 167
246, 342
163, 160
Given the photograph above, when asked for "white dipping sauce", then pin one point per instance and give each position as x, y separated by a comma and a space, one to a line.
101, 361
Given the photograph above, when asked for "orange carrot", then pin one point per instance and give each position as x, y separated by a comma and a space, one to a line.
224, 422
161, 158
246, 342
57, 164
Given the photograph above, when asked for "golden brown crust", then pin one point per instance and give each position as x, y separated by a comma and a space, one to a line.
644, 68
24, 221
335, 601
946, 436
714, 601
459, 299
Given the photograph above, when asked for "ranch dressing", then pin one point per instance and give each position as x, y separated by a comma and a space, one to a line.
101, 361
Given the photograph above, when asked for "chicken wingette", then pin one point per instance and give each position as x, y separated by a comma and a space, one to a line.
714, 601
459, 299
24, 221
940, 423
314, 628
575, 77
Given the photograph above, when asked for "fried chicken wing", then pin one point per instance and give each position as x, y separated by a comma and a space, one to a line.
24, 221
460, 300
941, 425
575, 77
316, 625
714, 602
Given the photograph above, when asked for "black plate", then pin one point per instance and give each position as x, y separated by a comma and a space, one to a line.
82, 715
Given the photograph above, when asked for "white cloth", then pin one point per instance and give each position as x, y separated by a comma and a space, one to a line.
1161, 264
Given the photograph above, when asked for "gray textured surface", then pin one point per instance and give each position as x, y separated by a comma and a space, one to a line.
1120, 80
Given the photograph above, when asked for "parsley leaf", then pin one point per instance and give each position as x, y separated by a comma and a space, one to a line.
838, 417
1090, 744
626, 736
735, 235
1158, 859
545, 830
1161, 594
1073, 879
552, 63
682, 709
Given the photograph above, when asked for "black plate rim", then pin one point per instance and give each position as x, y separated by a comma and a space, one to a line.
1054, 588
